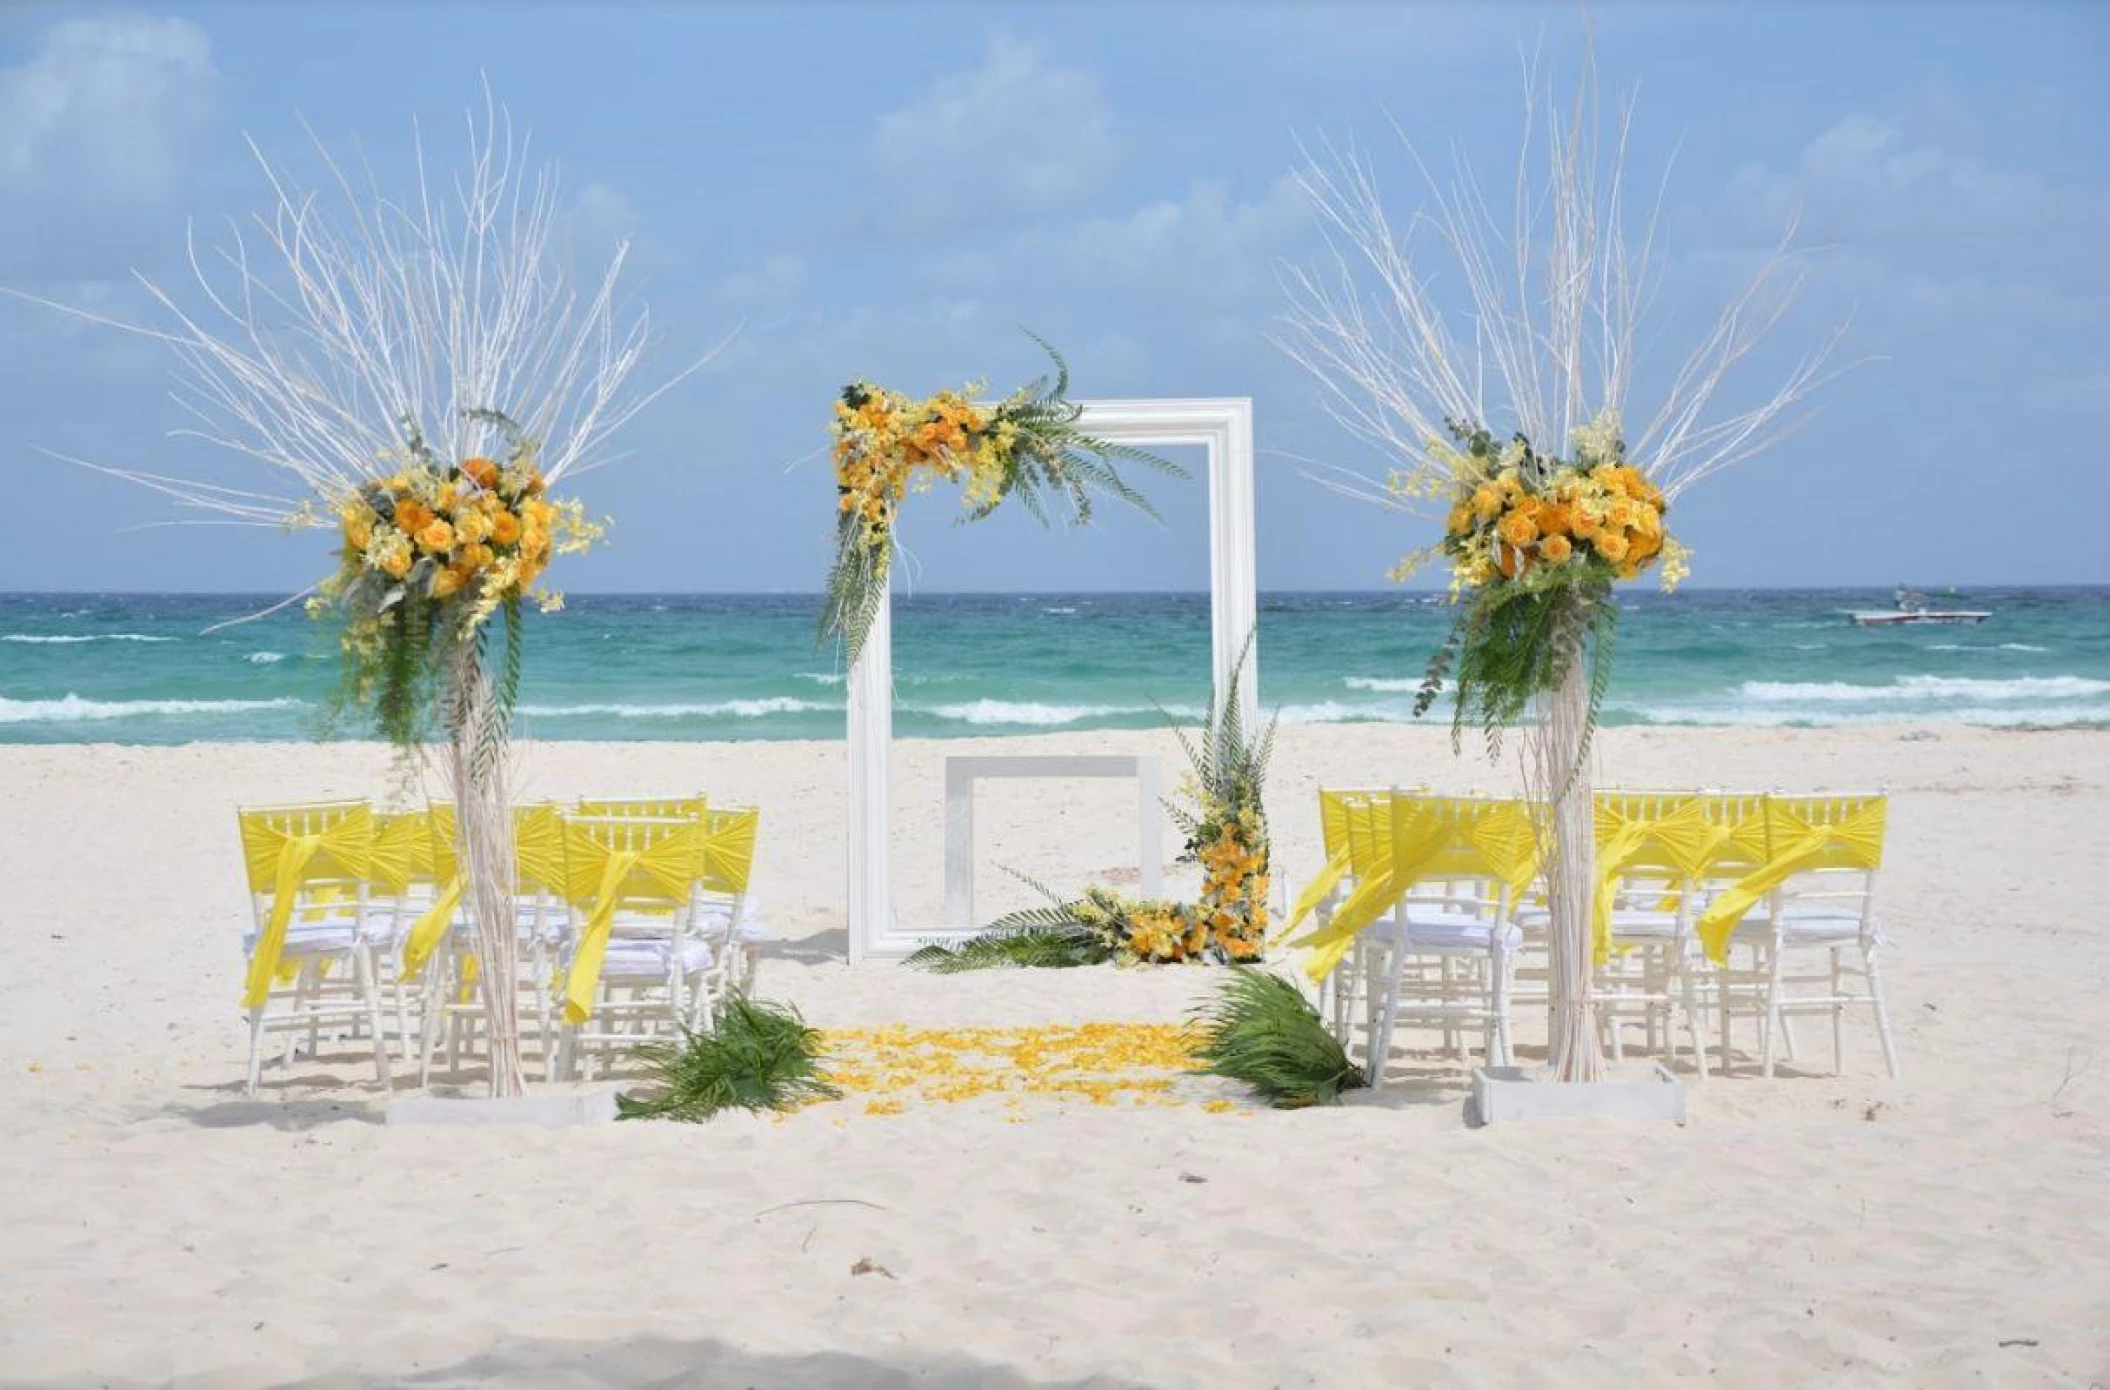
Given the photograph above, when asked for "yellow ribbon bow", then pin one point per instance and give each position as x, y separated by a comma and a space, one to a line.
330, 846
1801, 843
655, 869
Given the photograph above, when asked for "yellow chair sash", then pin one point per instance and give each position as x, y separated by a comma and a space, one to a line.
1419, 840
430, 929
1853, 842
1316, 891
729, 849
340, 849
1681, 841
538, 848
599, 878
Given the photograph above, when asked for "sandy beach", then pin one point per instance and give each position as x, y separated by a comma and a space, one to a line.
1948, 1228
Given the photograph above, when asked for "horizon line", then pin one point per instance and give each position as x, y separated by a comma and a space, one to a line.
1403, 590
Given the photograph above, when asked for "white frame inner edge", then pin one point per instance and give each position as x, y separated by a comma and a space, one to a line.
1222, 426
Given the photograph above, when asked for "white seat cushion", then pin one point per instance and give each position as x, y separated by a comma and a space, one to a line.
304, 939
1804, 927
1433, 929
632, 958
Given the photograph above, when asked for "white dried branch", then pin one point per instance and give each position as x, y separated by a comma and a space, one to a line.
307, 338
1413, 319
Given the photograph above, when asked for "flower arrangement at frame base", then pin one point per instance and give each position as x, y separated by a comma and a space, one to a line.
1030, 445
1227, 835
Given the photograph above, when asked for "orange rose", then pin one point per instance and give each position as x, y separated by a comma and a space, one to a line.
505, 527
412, 516
448, 581
1519, 529
480, 471
1552, 519
436, 537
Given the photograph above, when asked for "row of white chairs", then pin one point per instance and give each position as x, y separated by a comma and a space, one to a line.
360, 929
1716, 906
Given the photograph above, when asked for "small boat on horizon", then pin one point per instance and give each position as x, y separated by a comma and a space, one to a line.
1912, 608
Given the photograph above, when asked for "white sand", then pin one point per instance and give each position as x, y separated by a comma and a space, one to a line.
1952, 1228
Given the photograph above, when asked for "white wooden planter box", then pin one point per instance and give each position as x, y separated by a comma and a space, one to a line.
1506, 1095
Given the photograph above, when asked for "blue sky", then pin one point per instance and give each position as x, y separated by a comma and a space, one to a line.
892, 192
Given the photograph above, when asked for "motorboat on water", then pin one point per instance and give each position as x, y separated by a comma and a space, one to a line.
1912, 608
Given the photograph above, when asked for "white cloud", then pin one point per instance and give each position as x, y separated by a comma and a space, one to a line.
106, 108
601, 217
1203, 248
1015, 135
1923, 233
773, 280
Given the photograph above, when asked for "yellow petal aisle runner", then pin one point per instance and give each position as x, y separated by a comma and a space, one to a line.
889, 1069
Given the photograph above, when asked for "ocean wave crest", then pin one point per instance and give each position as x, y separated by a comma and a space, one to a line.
69, 638
1926, 688
1985, 716
820, 677
1038, 715
73, 709
1337, 712
264, 658
1394, 685
738, 709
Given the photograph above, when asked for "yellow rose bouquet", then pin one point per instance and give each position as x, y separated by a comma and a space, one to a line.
431, 554
1536, 543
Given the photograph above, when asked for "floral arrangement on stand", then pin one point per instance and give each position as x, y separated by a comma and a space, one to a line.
1227, 835
1551, 316
431, 553
367, 354
1536, 543
1031, 445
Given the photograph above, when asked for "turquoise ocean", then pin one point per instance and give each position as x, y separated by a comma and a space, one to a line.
138, 668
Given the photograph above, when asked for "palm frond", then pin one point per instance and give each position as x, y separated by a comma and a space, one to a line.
760, 1056
1260, 1030
1038, 943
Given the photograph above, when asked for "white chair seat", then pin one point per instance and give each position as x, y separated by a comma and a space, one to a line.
313, 939
1804, 927
633, 958
1429, 929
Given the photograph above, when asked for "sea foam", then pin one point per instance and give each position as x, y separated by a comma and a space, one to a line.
69, 638
73, 709
737, 709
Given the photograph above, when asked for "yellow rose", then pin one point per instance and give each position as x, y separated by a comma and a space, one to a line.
447, 581
1519, 529
505, 527
1486, 501
396, 563
472, 526
436, 537
1612, 545
1555, 550
358, 529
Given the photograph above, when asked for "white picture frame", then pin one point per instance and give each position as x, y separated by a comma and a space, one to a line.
1223, 428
